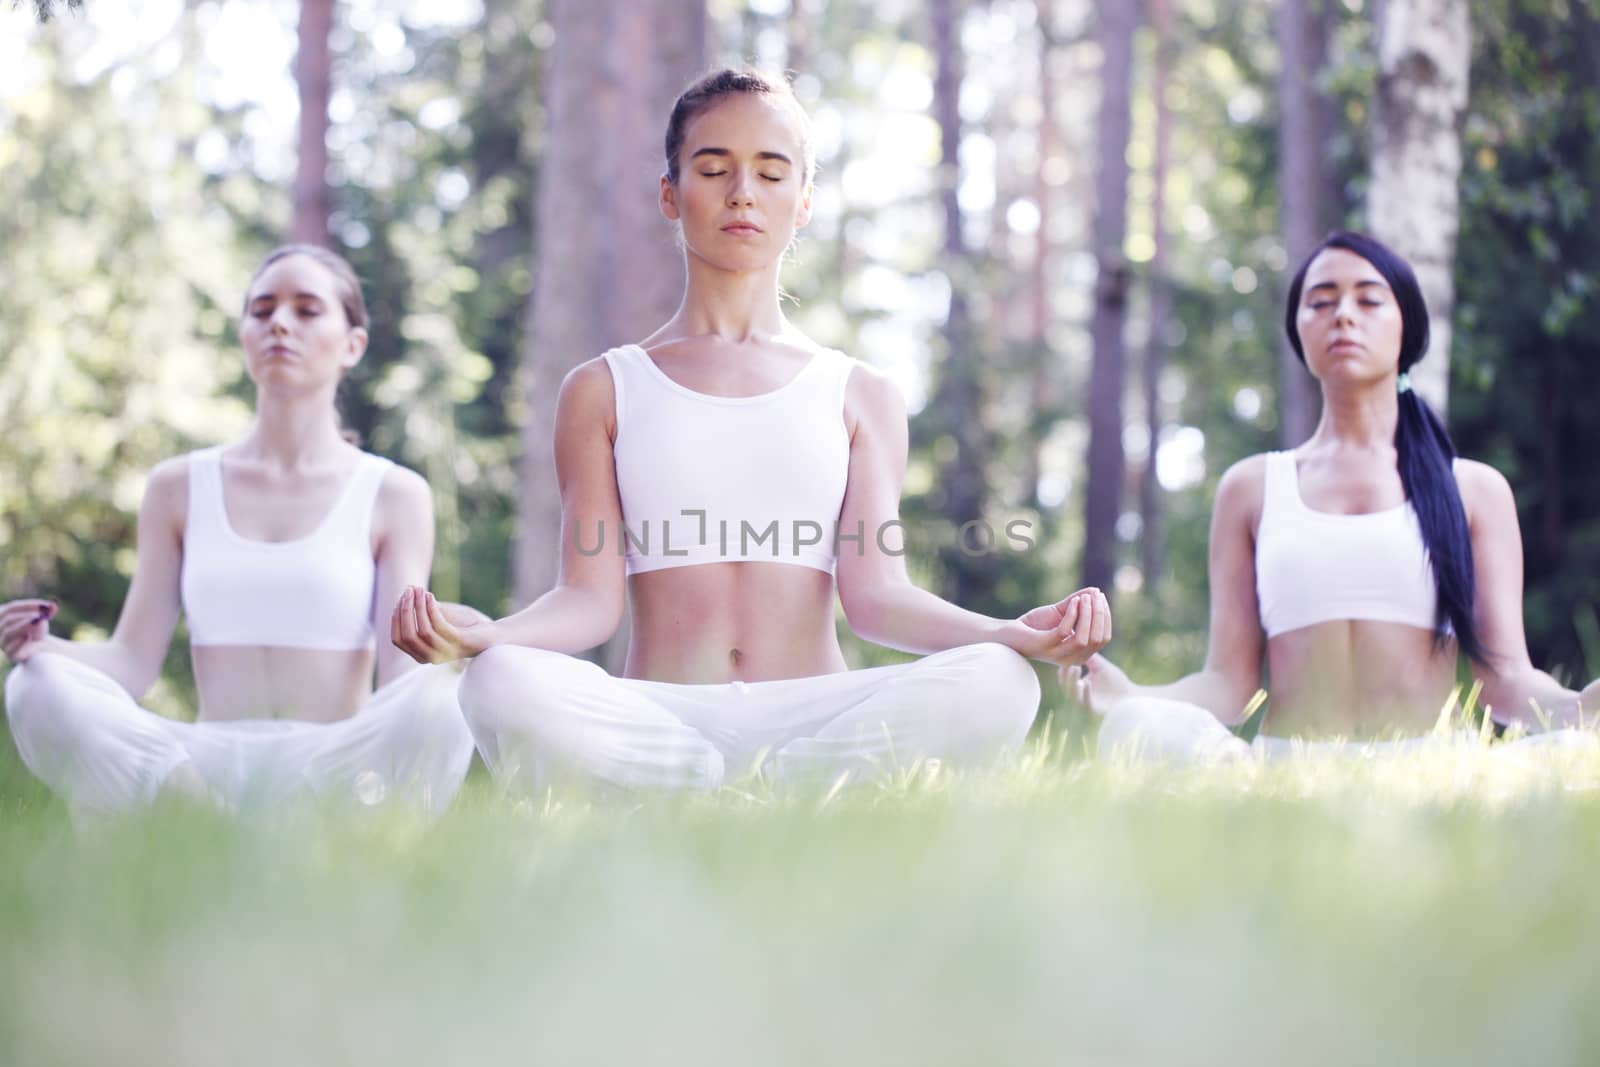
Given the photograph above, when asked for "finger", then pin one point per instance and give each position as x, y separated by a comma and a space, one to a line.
1100, 626
406, 621
437, 620
426, 634
20, 611
423, 623
1069, 615
394, 620
1084, 622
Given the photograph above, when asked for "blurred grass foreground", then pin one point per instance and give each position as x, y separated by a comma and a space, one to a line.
1441, 909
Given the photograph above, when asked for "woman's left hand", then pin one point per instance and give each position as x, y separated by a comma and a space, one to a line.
433, 632
1067, 632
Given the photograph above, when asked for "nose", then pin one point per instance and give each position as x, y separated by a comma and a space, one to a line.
279, 322
740, 190
1345, 310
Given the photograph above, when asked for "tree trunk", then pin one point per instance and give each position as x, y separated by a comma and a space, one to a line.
1424, 53
1039, 303
1119, 19
1308, 187
615, 69
957, 405
313, 77
1151, 533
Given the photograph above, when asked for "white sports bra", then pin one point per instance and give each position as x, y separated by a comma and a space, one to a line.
314, 592
708, 479
1317, 566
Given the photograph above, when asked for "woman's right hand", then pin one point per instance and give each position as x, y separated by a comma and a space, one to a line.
431, 632
1097, 685
24, 626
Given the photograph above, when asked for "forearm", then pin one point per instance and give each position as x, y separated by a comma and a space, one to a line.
568, 619
902, 616
1535, 700
1209, 688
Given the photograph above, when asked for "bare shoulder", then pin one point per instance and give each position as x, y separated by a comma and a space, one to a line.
589, 380
1485, 493
587, 392
404, 492
872, 395
1241, 489
166, 491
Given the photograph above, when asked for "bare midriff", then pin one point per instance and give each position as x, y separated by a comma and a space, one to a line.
732, 622
254, 682
1357, 679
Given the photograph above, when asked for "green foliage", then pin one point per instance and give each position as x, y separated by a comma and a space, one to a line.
1528, 284
108, 296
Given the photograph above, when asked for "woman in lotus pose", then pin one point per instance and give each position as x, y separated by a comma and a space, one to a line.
281, 549
1356, 566
742, 468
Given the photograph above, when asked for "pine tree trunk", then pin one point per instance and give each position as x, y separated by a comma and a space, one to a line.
1424, 54
1119, 20
956, 407
606, 269
313, 74
1152, 535
1308, 187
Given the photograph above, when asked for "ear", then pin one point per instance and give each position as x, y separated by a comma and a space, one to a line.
804, 215
669, 198
355, 347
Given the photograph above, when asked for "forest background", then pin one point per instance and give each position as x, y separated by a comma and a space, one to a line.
1064, 227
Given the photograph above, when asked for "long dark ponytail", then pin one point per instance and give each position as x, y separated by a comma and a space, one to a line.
1422, 444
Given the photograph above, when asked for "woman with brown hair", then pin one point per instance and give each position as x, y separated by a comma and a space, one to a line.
281, 549
730, 474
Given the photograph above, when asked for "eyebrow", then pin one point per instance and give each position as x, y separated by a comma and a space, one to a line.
273, 296
778, 156
1335, 285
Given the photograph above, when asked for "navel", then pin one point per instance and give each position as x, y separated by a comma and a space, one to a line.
735, 657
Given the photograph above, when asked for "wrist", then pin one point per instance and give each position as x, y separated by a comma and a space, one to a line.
1014, 634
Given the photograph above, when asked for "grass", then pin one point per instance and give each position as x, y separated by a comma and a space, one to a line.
1054, 911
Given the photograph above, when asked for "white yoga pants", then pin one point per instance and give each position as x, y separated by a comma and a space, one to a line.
1158, 730
90, 742
541, 718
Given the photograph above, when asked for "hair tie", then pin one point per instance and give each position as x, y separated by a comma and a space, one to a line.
1404, 382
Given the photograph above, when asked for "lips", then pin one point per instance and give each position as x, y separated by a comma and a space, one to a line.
280, 352
742, 229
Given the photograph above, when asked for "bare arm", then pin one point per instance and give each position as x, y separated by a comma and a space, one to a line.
881, 602
403, 551
1513, 688
1235, 642
138, 646
585, 607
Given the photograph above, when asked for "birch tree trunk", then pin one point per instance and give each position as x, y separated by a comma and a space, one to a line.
1119, 20
1424, 53
606, 270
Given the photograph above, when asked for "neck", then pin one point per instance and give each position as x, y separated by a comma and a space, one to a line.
295, 432
1359, 418
735, 307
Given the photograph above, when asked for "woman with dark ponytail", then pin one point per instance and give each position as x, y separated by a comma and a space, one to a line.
1357, 566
